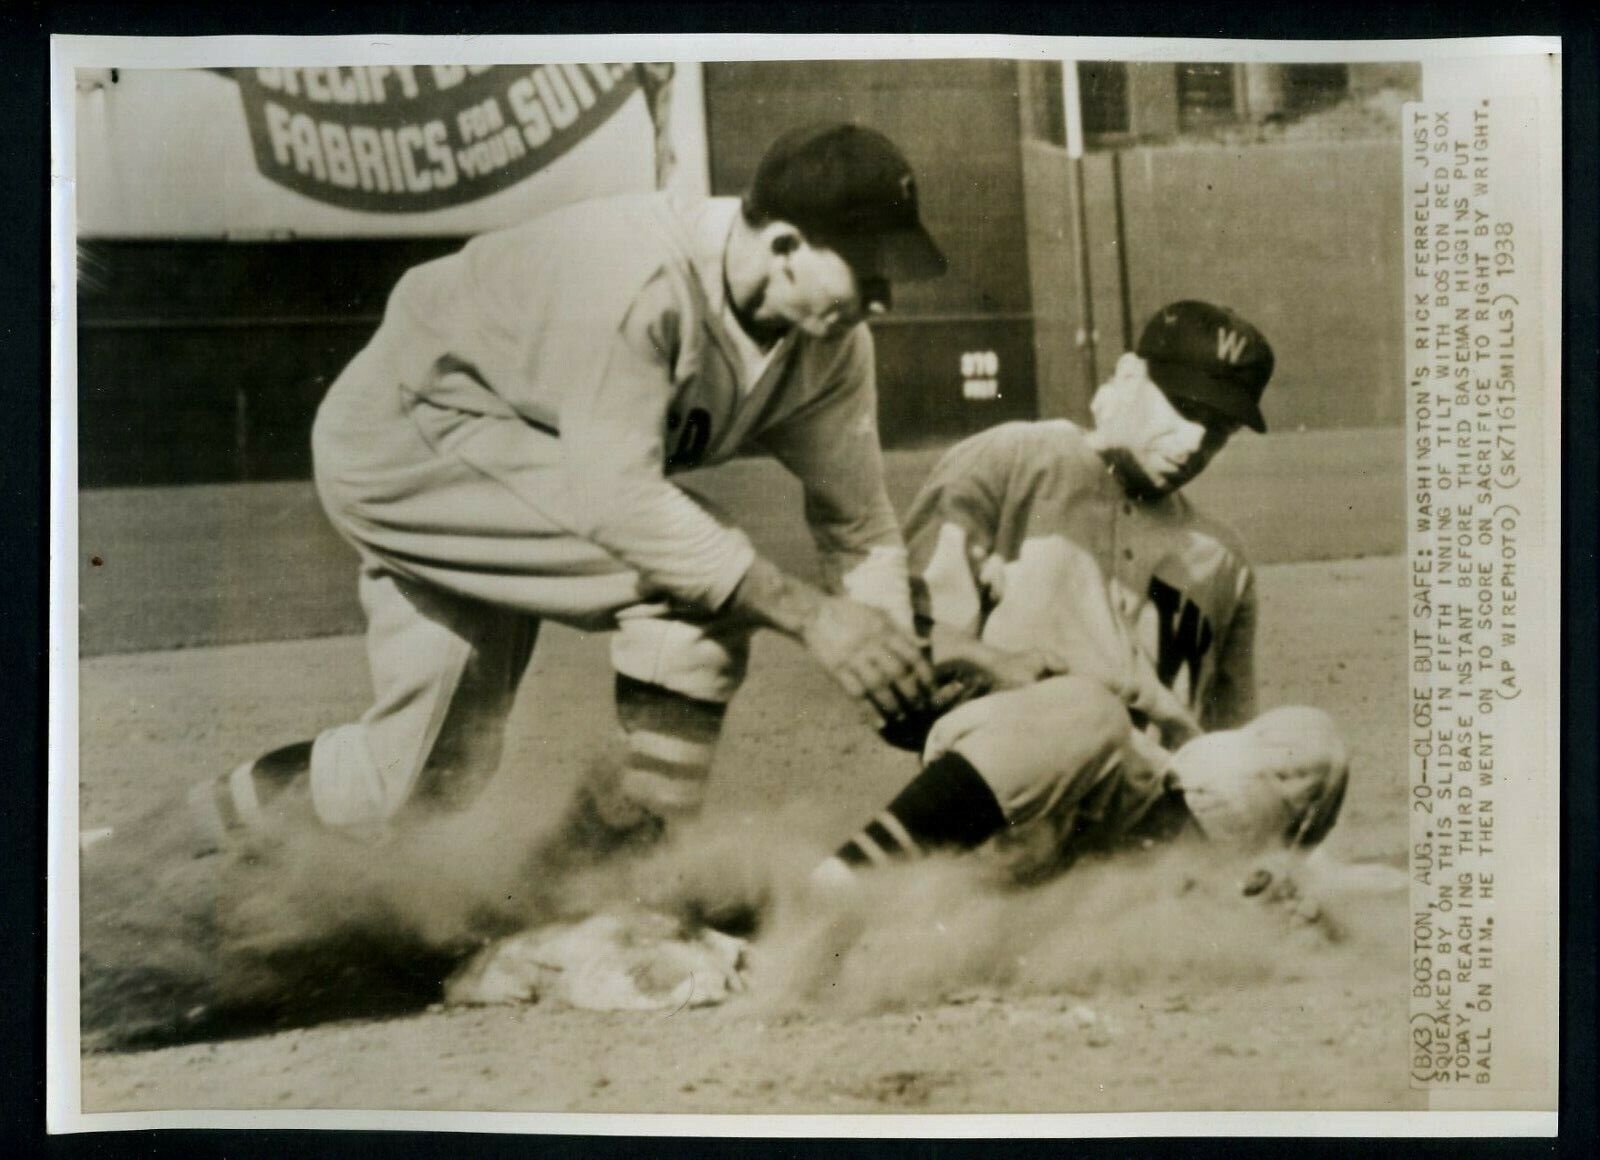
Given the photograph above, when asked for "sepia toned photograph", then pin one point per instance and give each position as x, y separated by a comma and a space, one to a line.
860, 585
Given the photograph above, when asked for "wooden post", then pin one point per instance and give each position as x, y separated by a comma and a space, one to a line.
1072, 109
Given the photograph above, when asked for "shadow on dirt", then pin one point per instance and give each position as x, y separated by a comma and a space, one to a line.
350, 975
176, 949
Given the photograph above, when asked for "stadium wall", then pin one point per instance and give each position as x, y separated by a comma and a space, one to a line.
202, 357
1302, 238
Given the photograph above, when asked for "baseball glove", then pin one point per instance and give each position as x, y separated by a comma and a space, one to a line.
956, 683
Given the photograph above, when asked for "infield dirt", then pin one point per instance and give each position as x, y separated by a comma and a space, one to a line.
1112, 989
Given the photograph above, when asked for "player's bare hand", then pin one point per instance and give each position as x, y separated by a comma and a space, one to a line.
871, 656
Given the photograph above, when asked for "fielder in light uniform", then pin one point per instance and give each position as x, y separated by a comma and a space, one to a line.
1105, 628
501, 453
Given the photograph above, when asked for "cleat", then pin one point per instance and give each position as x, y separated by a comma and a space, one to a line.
585, 837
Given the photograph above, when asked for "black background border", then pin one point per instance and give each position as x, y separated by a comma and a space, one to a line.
25, 27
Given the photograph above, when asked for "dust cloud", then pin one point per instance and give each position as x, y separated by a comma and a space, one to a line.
320, 927
1173, 921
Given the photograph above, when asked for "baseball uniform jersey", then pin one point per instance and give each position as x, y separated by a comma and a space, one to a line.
1145, 610
1024, 537
542, 384
1142, 612
502, 452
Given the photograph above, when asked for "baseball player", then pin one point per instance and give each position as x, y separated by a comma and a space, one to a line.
1101, 630
501, 453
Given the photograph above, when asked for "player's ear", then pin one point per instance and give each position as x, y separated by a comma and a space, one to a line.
782, 239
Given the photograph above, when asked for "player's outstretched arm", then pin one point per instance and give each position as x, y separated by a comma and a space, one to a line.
862, 648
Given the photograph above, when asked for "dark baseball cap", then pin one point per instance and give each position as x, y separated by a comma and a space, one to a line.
850, 189
1209, 354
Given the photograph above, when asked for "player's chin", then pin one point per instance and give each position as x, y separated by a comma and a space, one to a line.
1169, 481
829, 329
1145, 477
830, 324
1159, 484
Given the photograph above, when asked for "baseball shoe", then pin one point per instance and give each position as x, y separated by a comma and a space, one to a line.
261, 795
585, 838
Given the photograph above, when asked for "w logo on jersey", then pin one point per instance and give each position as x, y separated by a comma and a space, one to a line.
1230, 345
1183, 638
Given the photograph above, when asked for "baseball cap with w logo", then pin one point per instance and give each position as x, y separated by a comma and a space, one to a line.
1210, 355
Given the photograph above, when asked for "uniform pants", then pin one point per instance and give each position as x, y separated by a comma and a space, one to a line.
1069, 770
458, 568
1062, 759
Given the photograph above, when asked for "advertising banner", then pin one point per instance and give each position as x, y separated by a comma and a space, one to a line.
404, 139
365, 150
